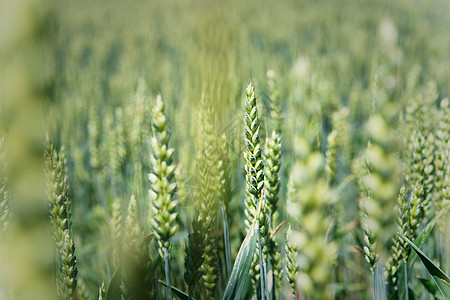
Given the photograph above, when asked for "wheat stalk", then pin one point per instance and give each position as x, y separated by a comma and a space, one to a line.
57, 188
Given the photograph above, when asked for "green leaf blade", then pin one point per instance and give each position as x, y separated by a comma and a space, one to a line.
113, 292
179, 293
239, 279
439, 277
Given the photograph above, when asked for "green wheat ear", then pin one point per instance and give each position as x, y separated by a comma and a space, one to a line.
57, 188
421, 163
163, 187
291, 263
194, 257
225, 172
208, 196
116, 232
162, 179
272, 173
398, 248
360, 170
331, 158
272, 187
442, 158
276, 114
135, 269
254, 168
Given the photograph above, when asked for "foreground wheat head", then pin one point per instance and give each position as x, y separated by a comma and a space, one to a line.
57, 187
163, 186
162, 179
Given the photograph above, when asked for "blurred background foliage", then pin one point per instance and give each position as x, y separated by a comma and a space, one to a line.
87, 73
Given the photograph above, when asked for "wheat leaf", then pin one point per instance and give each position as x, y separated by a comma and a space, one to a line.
113, 292
180, 294
439, 277
239, 279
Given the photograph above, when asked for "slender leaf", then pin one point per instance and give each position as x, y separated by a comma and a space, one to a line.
239, 279
180, 294
442, 281
113, 292
411, 294
429, 285
422, 237
419, 242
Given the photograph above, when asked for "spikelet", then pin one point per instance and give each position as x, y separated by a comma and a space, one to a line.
194, 257
225, 198
345, 141
254, 168
421, 165
316, 253
291, 263
422, 145
163, 187
120, 132
369, 246
208, 199
225, 172
272, 173
57, 187
385, 176
140, 128
110, 151
331, 158
116, 232
276, 262
416, 212
275, 101
254, 165
398, 244
162, 179
94, 130
382, 182
272, 159
442, 160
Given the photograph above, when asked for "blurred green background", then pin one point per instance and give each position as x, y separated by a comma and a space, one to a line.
87, 72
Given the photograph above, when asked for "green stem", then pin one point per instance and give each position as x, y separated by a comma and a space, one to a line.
261, 267
167, 271
226, 238
266, 285
373, 285
273, 285
405, 265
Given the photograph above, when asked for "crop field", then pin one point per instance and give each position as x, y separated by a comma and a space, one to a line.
182, 149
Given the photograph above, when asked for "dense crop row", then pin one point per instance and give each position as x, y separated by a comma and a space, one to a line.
229, 150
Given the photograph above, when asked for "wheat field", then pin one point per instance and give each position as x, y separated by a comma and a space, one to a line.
224, 149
